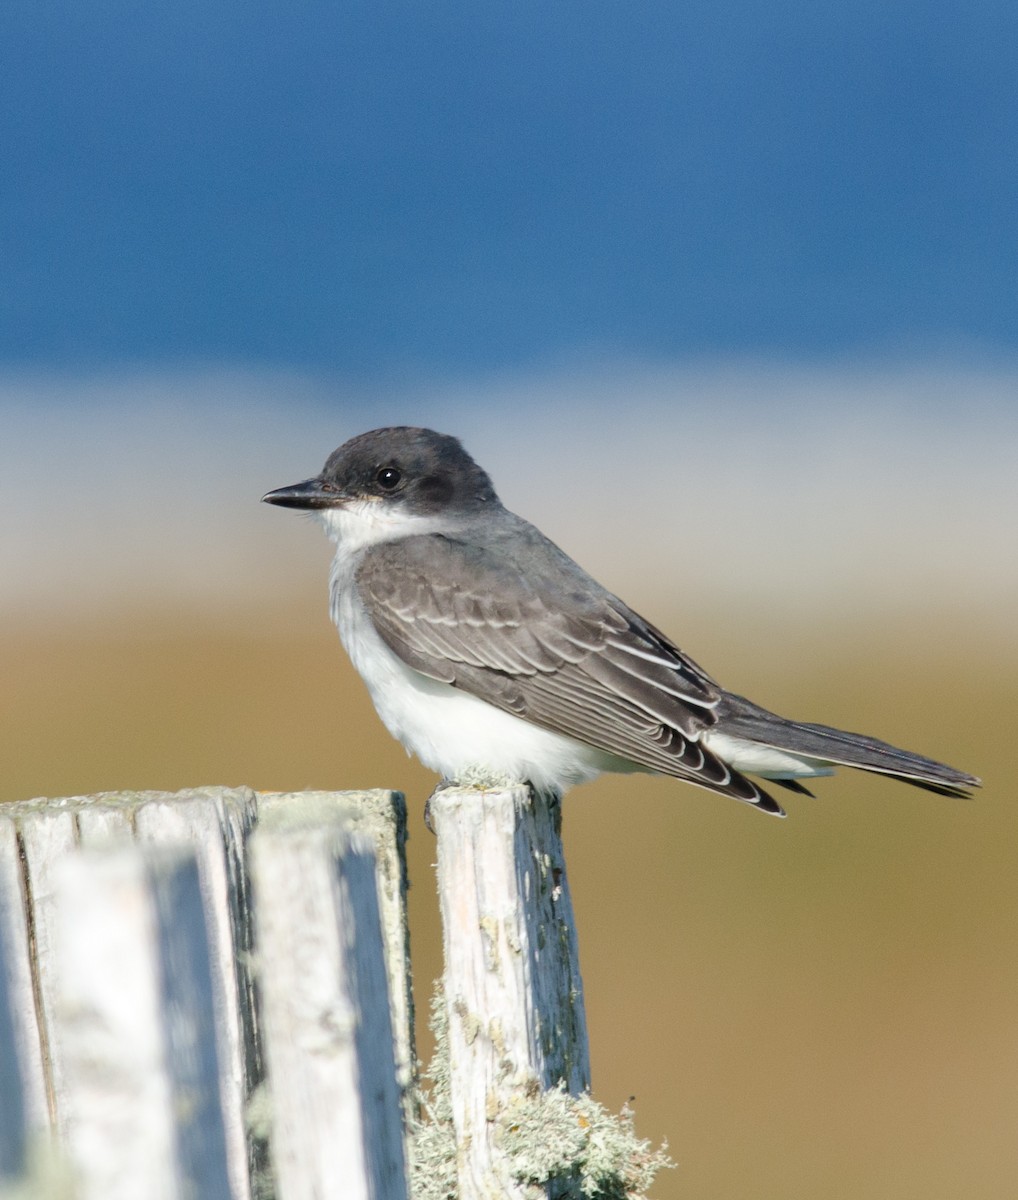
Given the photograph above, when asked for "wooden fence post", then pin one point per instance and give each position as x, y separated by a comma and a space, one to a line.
117, 966
381, 815
513, 993
37, 1064
13, 1129
335, 1111
215, 823
37, 835
140, 1103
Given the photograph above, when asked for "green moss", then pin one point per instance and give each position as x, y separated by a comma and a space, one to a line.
556, 1144
432, 1142
579, 1148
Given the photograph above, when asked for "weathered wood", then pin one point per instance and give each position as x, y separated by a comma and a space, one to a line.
37, 835
133, 1027
19, 981
335, 1113
382, 816
106, 820
512, 983
13, 1133
45, 840
216, 822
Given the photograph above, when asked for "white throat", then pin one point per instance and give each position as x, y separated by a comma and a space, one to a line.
361, 524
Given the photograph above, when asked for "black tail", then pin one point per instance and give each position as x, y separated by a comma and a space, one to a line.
741, 718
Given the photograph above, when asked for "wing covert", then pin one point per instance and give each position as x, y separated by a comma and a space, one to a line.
549, 645
456, 611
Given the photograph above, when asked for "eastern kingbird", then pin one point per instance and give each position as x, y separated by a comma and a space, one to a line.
489, 653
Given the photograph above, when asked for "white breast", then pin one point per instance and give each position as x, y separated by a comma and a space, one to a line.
450, 731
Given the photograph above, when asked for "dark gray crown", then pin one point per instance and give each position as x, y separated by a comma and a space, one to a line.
434, 471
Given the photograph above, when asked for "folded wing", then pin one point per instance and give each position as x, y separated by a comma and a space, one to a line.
551, 646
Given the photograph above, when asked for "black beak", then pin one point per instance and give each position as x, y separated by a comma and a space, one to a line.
309, 494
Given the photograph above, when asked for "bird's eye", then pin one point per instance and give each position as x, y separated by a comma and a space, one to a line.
389, 478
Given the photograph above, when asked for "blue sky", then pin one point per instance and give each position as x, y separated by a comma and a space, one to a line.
741, 278
383, 190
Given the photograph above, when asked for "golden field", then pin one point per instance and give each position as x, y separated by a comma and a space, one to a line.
820, 1007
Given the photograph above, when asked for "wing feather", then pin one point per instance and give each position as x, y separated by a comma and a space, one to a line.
550, 645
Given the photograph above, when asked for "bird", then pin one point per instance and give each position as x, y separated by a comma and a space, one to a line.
493, 656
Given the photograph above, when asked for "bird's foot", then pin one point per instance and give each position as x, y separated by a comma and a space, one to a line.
484, 780
443, 785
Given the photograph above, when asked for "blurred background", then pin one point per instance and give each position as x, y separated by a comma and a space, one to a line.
724, 298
